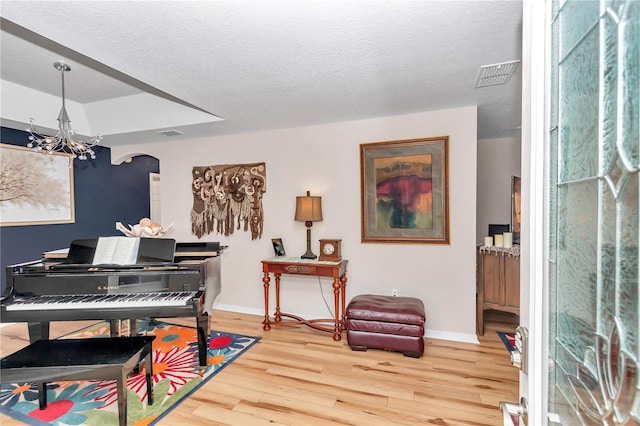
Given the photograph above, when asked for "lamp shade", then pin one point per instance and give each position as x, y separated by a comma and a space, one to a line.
308, 208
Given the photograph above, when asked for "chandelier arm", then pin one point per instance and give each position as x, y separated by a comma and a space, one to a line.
64, 140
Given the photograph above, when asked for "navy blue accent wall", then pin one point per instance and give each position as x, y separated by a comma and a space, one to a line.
104, 195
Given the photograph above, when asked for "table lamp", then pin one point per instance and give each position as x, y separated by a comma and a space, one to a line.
308, 210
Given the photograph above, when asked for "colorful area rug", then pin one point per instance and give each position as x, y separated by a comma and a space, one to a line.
509, 340
176, 375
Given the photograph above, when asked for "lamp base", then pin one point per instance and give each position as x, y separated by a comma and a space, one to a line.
308, 255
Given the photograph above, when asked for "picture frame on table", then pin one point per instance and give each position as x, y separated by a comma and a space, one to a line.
278, 247
32, 202
405, 191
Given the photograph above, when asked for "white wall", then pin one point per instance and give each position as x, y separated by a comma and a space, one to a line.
325, 160
498, 160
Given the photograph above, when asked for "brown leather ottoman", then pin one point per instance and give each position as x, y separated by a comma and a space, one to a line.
386, 322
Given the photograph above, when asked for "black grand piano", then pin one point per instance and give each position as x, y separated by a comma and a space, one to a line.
167, 280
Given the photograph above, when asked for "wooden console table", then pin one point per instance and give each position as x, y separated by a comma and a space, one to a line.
294, 265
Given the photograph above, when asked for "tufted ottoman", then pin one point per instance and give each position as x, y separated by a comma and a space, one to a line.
386, 322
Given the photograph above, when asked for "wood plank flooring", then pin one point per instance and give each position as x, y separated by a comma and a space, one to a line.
299, 376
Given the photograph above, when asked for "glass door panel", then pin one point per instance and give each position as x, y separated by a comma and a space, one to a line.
594, 149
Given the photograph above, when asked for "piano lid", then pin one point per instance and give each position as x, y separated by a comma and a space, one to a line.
198, 249
151, 250
81, 251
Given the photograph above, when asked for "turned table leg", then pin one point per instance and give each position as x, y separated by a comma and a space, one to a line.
343, 292
336, 306
277, 315
265, 280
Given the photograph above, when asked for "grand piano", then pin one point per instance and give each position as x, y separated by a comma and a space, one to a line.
167, 280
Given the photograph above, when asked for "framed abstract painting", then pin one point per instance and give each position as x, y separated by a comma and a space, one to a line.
35, 188
404, 191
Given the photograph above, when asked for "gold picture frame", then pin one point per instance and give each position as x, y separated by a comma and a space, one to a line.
404, 191
516, 207
35, 188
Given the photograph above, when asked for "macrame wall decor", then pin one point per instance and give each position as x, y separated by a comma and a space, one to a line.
228, 196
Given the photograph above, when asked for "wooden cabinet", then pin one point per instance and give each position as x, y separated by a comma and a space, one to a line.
498, 282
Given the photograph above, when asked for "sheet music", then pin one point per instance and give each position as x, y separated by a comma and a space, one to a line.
116, 251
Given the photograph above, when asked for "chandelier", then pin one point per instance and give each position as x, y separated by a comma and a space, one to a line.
64, 140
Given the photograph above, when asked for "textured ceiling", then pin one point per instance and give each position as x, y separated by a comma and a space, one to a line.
260, 64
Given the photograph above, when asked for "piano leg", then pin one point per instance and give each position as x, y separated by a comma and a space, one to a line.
203, 334
42, 395
114, 329
117, 327
149, 376
38, 331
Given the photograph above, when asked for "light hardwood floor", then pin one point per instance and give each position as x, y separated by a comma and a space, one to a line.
298, 376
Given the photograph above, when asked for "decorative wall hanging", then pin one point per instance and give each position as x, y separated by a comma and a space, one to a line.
405, 195
35, 188
226, 197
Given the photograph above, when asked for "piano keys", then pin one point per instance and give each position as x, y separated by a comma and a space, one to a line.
91, 301
183, 283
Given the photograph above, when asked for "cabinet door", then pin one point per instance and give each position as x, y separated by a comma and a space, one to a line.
512, 282
492, 279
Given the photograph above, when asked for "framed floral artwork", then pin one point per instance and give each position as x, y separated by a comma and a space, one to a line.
35, 188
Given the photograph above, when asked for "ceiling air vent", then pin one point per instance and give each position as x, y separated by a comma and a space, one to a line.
496, 74
170, 132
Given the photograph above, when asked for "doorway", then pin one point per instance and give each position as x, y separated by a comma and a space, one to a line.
154, 198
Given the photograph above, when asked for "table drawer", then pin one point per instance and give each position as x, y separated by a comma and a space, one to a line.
295, 269
301, 269
321, 269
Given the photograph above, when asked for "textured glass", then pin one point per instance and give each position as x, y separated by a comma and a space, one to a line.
577, 266
579, 111
627, 265
553, 309
563, 401
593, 278
553, 196
630, 84
610, 89
554, 98
607, 257
555, 6
577, 17
555, 398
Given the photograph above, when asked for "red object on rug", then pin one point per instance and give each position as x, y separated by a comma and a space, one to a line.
509, 340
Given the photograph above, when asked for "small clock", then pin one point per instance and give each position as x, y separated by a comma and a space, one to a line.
330, 250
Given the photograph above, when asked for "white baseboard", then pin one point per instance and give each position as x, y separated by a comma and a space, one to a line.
455, 337
239, 309
432, 334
